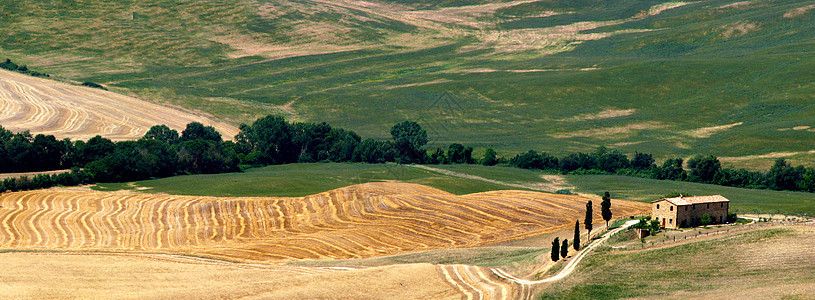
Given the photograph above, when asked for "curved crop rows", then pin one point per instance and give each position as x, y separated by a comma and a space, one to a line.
76, 112
360, 221
474, 282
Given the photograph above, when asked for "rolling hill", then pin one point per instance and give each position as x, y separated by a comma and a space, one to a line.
722, 77
67, 111
367, 220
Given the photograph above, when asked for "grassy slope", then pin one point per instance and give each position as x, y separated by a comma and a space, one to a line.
306, 179
294, 180
735, 266
694, 66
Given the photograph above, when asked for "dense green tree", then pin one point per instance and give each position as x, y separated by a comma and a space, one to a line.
162, 133
782, 176
642, 161
409, 139
490, 157
197, 130
374, 152
532, 160
49, 152
610, 160
564, 248
576, 239
654, 227
202, 156
671, 169
270, 140
555, 254
605, 207
588, 220
703, 168
95, 149
807, 183
437, 157
458, 154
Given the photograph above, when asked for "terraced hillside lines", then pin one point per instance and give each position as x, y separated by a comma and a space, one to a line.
474, 282
66, 111
359, 221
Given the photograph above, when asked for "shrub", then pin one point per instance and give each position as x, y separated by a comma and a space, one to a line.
94, 85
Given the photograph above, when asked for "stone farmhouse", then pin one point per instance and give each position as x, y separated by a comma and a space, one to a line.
687, 211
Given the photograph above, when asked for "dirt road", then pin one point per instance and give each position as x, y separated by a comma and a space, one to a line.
569, 268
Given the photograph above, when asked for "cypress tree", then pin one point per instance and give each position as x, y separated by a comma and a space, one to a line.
605, 208
564, 248
555, 249
576, 243
588, 220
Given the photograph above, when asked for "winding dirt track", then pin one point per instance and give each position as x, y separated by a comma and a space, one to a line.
77, 112
359, 221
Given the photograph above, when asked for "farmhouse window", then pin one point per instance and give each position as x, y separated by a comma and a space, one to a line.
657, 206
708, 205
722, 204
671, 221
686, 208
672, 208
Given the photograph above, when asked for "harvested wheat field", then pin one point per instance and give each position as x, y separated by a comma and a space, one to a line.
118, 276
360, 221
78, 112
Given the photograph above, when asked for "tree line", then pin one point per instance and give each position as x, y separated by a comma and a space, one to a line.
702, 169
11, 66
271, 140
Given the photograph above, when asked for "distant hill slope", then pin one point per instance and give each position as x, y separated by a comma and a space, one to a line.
367, 220
725, 77
76, 112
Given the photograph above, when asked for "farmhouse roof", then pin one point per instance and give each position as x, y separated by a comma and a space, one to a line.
694, 200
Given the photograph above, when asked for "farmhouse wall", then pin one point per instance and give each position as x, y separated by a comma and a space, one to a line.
670, 215
665, 212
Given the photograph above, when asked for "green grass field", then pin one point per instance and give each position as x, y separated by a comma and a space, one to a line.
294, 180
730, 267
515, 78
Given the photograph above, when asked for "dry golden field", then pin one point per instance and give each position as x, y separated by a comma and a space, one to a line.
360, 221
78, 112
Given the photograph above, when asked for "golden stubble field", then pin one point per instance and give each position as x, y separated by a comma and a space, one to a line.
78, 112
359, 221
129, 245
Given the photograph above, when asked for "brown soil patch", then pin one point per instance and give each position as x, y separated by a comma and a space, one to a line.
740, 4
794, 13
437, 81
738, 29
610, 132
606, 114
367, 220
76, 112
706, 132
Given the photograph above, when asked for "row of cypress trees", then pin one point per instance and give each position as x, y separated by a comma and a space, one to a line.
562, 249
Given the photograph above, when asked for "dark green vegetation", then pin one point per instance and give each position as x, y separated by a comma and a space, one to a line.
605, 207
576, 239
295, 180
555, 252
11, 66
588, 220
732, 266
702, 78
